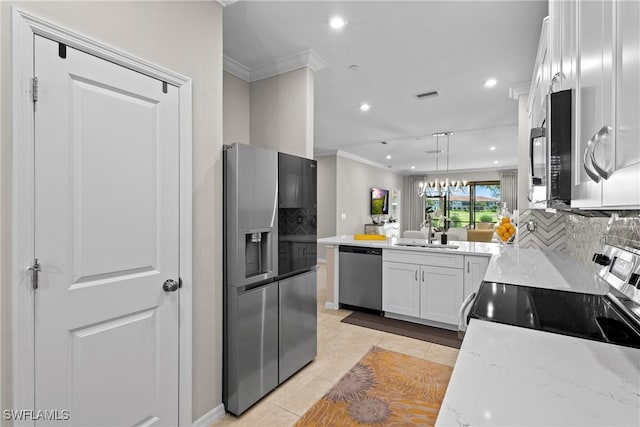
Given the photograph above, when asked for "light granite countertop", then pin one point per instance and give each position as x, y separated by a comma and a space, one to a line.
543, 269
510, 376
507, 375
464, 248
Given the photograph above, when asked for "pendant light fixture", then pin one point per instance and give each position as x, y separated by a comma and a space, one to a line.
439, 187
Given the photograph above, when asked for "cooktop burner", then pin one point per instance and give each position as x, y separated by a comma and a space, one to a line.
586, 316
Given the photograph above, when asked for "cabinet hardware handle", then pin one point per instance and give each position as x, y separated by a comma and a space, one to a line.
597, 139
468, 266
594, 176
557, 78
416, 275
423, 276
462, 311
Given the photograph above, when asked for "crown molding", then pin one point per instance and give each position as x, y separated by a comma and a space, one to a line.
307, 58
519, 89
322, 152
225, 3
357, 158
239, 70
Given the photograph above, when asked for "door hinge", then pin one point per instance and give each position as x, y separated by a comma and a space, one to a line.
35, 269
34, 89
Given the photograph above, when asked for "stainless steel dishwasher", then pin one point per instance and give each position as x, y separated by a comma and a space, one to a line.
360, 277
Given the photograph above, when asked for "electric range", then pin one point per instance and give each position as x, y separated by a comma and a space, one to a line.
613, 318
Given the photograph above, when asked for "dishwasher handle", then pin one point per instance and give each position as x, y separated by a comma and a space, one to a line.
361, 250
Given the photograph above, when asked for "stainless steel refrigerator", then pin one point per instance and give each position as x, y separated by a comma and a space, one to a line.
270, 320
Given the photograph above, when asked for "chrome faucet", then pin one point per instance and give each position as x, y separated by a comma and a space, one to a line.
428, 213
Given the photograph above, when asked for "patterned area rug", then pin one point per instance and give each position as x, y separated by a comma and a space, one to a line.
384, 388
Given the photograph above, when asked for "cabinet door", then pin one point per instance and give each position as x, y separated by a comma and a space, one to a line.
622, 188
568, 45
299, 256
475, 267
440, 293
594, 98
562, 44
555, 43
401, 288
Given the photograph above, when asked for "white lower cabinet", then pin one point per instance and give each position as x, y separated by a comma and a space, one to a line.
427, 286
475, 268
441, 291
401, 288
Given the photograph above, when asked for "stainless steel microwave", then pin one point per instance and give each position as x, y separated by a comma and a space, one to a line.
550, 154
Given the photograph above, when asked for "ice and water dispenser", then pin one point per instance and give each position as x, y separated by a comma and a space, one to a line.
257, 252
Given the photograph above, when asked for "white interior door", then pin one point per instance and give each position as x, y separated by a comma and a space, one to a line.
106, 235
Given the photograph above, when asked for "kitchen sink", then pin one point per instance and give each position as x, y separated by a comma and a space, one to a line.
428, 245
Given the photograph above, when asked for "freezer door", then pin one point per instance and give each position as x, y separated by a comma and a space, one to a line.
256, 361
298, 323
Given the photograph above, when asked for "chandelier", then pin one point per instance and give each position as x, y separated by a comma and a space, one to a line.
439, 188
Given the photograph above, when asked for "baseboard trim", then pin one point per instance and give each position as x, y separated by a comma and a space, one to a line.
210, 417
330, 306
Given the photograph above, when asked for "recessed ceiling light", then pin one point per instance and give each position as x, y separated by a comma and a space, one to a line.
491, 82
495, 162
413, 167
388, 156
337, 22
364, 106
492, 148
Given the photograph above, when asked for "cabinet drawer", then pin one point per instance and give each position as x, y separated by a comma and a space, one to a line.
424, 258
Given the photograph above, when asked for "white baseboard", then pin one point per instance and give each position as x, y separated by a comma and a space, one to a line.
330, 306
210, 417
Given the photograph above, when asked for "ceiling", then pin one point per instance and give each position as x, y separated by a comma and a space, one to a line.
402, 49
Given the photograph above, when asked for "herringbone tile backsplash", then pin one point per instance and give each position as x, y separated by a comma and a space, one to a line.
578, 236
549, 234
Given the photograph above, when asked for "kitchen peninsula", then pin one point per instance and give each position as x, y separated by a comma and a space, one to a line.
421, 283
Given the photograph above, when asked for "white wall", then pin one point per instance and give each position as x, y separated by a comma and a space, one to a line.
327, 196
282, 112
186, 37
236, 98
354, 181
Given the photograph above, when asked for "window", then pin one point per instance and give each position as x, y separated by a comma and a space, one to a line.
477, 202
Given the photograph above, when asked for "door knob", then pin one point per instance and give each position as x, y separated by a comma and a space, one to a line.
170, 285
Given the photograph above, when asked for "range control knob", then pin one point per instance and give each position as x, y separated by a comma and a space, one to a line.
601, 259
634, 280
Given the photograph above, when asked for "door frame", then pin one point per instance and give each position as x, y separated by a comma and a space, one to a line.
24, 27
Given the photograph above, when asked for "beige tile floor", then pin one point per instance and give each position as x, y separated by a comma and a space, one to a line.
340, 346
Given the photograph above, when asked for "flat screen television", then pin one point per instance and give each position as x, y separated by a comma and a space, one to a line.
379, 201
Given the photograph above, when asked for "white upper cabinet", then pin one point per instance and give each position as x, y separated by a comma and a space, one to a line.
562, 44
594, 99
623, 186
568, 44
606, 148
541, 79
